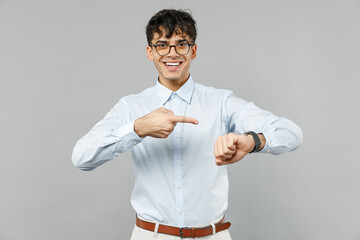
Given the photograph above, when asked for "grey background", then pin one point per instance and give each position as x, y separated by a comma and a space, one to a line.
64, 64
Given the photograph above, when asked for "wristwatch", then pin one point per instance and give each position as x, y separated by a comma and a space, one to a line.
256, 140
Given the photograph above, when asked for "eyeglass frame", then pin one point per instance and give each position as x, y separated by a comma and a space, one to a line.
170, 46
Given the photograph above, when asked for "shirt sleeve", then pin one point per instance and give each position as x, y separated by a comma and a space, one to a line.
281, 134
107, 139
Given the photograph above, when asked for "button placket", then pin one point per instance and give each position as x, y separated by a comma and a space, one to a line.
177, 163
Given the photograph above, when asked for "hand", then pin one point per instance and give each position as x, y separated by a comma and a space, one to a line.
232, 147
159, 123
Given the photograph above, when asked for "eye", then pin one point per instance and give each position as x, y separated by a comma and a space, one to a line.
182, 44
163, 45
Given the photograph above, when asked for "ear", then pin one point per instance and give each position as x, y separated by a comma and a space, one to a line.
193, 51
149, 52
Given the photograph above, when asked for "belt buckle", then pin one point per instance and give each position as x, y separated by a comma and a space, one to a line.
181, 232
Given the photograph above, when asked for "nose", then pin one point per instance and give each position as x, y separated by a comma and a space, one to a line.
173, 51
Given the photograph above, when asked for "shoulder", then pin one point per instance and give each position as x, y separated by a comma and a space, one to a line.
128, 105
202, 89
224, 96
145, 94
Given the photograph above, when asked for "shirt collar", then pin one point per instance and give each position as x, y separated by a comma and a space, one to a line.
185, 92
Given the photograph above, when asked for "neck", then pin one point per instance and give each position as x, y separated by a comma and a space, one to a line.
173, 85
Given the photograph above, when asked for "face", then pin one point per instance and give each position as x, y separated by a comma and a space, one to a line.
173, 68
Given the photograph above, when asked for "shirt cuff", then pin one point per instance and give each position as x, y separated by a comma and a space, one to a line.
270, 140
274, 143
128, 137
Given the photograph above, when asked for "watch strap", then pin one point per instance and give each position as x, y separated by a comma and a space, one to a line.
256, 140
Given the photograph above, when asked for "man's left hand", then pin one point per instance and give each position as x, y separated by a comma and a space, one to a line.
232, 147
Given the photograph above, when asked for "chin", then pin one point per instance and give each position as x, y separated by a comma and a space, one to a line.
172, 78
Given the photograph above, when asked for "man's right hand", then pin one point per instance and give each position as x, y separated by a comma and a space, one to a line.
160, 123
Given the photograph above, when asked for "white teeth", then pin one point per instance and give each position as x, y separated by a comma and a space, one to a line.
172, 64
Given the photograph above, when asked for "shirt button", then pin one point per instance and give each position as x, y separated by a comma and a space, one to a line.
179, 212
178, 187
177, 161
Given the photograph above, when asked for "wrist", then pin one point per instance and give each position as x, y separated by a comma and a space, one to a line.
250, 143
138, 129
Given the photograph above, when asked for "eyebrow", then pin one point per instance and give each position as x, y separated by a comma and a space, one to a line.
157, 42
166, 42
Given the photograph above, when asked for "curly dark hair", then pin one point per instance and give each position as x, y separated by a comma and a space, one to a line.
170, 21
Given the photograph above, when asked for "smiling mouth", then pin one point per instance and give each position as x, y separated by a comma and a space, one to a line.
172, 66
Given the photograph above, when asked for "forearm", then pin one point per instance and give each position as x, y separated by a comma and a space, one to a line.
282, 136
102, 145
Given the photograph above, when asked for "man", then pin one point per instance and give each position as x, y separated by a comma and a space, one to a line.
182, 135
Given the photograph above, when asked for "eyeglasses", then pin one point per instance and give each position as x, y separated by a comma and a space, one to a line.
164, 49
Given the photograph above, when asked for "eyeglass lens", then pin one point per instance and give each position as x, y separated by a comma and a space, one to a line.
164, 49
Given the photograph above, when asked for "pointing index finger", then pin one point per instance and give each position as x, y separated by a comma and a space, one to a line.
184, 119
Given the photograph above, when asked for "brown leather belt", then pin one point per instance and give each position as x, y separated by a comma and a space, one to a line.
184, 232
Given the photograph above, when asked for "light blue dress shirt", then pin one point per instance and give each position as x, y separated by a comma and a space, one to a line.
176, 179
